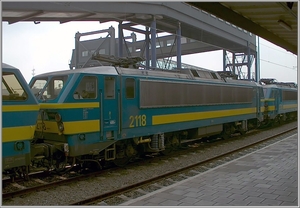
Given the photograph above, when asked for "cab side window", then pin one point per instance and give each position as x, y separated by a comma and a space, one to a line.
87, 88
130, 88
109, 84
11, 88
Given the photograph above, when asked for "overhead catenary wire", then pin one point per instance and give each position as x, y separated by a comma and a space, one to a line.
292, 68
284, 52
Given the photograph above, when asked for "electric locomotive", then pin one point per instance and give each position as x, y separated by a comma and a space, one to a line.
91, 116
280, 101
19, 114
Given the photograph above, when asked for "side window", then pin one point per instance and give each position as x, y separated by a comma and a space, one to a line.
54, 87
109, 84
11, 88
38, 86
87, 88
130, 88
58, 85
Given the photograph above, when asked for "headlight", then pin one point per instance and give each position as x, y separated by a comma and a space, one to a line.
60, 127
57, 117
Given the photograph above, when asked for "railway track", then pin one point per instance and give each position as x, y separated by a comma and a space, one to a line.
64, 180
182, 173
38, 182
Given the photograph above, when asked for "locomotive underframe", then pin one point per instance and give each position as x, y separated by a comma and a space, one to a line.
55, 155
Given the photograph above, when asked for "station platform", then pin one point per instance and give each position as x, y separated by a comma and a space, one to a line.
267, 177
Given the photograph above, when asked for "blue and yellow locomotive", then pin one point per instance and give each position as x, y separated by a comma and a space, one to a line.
281, 102
19, 114
107, 113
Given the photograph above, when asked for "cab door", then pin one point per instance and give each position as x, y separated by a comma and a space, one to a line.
109, 108
277, 101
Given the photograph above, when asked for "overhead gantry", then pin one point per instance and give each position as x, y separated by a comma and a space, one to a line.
178, 18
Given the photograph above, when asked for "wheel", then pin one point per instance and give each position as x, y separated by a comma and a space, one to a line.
92, 165
226, 134
242, 132
60, 167
167, 151
170, 145
121, 162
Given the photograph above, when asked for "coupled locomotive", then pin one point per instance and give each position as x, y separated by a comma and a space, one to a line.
19, 114
95, 115
280, 101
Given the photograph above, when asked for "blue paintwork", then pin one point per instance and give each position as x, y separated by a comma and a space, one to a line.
114, 114
273, 94
18, 119
9, 149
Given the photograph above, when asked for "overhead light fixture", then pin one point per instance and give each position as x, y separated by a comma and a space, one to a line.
285, 25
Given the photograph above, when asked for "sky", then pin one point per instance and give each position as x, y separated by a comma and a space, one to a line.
47, 47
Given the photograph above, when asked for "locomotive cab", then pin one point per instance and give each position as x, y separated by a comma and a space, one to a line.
73, 104
19, 113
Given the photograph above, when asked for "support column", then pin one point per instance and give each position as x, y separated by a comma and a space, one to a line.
77, 37
120, 39
112, 44
249, 61
179, 46
147, 49
257, 62
153, 43
224, 60
233, 63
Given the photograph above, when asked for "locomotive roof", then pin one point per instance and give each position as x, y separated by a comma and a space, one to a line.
109, 70
185, 74
7, 66
280, 86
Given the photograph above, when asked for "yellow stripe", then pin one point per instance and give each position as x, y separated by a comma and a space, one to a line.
12, 108
182, 117
76, 127
71, 127
10, 134
270, 108
69, 105
290, 106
